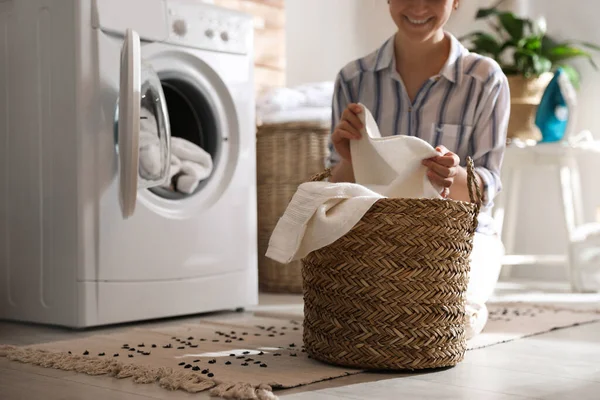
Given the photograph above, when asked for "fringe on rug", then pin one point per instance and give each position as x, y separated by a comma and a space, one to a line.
166, 378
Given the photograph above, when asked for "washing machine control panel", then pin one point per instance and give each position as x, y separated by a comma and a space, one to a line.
210, 28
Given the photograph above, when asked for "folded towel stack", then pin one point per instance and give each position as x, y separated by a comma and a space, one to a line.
309, 102
190, 164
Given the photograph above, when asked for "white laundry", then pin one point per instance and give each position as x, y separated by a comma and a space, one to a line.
322, 212
150, 157
318, 214
188, 151
392, 165
174, 169
190, 164
304, 103
307, 114
310, 95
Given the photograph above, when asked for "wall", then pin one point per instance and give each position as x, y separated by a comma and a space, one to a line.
269, 39
340, 31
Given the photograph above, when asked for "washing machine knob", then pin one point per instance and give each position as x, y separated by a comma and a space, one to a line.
225, 36
180, 27
209, 33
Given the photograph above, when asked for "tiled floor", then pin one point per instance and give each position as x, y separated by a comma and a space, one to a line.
563, 364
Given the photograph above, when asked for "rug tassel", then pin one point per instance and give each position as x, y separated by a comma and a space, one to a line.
5, 349
243, 391
197, 384
265, 392
219, 390
166, 377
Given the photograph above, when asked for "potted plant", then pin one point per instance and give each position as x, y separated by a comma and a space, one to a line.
529, 57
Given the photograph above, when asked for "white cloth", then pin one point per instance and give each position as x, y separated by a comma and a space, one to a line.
318, 214
150, 156
190, 164
322, 212
391, 165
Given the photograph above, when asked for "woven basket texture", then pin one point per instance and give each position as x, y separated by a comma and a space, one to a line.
390, 294
287, 155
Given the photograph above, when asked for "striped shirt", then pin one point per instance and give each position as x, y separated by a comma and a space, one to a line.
464, 108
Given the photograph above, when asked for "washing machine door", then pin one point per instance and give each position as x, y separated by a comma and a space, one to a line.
143, 137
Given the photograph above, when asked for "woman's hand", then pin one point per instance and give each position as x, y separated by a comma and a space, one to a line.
443, 169
347, 129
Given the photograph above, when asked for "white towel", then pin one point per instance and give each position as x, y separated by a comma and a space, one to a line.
318, 214
322, 212
190, 164
188, 151
392, 163
174, 169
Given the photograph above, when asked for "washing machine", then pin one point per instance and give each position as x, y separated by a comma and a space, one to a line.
86, 238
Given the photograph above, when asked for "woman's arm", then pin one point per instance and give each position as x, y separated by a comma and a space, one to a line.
488, 140
487, 144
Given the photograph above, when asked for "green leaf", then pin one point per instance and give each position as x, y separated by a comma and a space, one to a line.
531, 63
485, 12
507, 44
486, 43
548, 43
513, 25
564, 52
530, 43
541, 64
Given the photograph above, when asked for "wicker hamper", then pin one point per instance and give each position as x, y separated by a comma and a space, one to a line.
287, 155
390, 294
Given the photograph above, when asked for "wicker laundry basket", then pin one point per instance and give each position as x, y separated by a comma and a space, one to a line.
287, 155
390, 294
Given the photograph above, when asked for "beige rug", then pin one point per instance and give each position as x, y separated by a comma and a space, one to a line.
512, 321
247, 358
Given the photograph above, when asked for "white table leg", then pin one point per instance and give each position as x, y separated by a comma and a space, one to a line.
572, 210
578, 212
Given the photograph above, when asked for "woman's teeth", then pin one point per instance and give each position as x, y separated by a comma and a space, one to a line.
418, 21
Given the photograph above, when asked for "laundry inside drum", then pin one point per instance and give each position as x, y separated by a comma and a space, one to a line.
195, 138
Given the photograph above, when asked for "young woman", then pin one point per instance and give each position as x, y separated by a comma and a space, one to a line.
422, 82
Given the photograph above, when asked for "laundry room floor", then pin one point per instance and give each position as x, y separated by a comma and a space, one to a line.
562, 364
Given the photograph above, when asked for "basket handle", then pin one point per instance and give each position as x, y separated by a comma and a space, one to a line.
473, 187
472, 183
321, 175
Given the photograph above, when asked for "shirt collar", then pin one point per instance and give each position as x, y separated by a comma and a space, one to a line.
452, 69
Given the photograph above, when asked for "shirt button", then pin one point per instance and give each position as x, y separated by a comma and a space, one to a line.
410, 109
